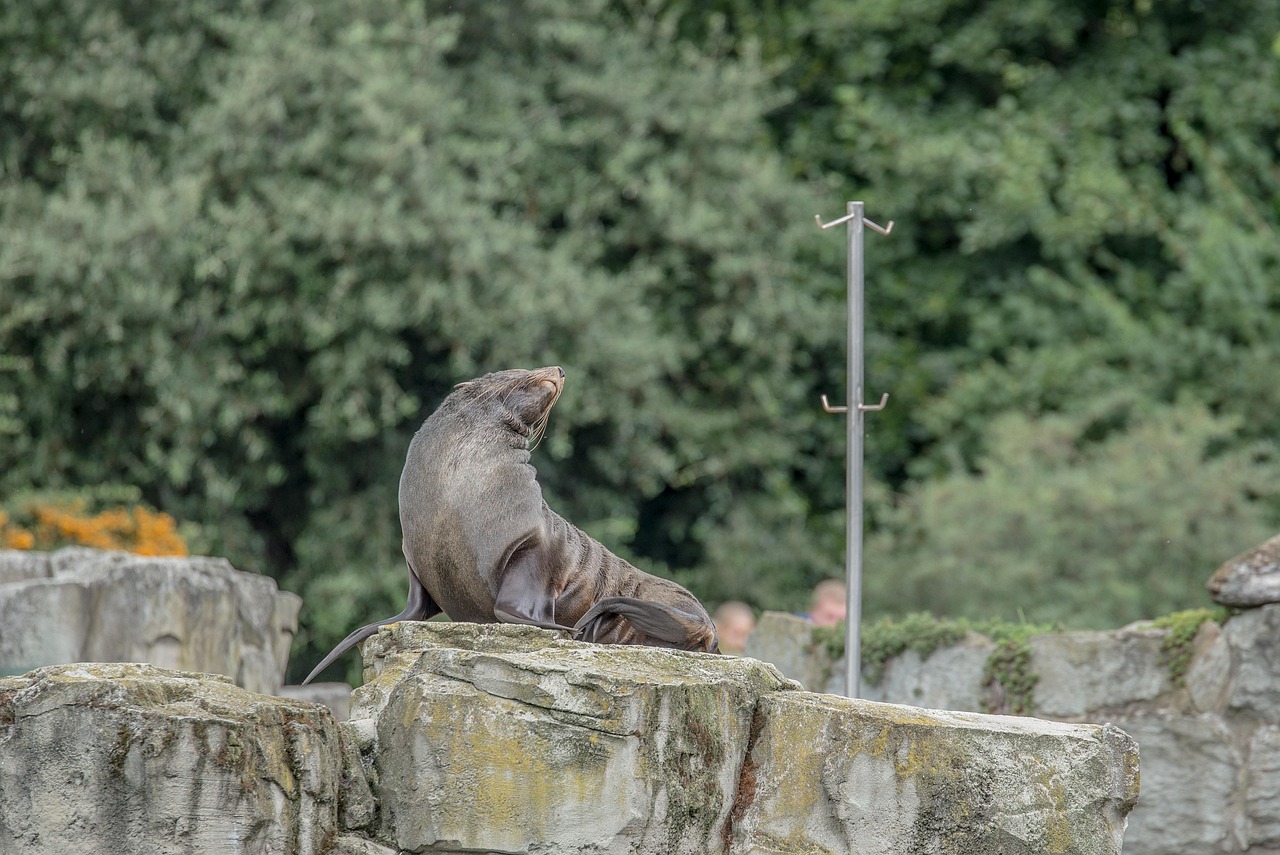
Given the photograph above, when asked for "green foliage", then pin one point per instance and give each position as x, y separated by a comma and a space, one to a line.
1084, 223
1178, 645
248, 246
1009, 678
924, 633
1094, 519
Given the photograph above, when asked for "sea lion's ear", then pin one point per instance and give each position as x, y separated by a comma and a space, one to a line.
659, 621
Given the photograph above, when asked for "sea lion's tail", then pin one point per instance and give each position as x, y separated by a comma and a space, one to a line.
419, 607
663, 624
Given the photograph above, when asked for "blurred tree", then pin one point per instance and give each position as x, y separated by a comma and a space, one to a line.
243, 284
248, 245
1088, 207
1094, 519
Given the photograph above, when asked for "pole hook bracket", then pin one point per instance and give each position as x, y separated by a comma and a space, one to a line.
865, 408
884, 230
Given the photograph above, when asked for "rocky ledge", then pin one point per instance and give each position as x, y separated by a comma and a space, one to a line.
471, 738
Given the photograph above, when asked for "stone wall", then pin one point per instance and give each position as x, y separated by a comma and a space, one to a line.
195, 614
1210, 741
470, 738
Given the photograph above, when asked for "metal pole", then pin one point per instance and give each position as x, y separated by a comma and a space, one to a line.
853, 459
855, 409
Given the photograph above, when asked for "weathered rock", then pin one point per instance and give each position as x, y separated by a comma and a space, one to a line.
1208, 748
127, 758
511, 739
335, 696
1190, 773
1084, 672
786, 641
1252, 578
950, 678
347, 844
1254, 639
196, 614
1262, 804
834, 775
19, 565
1208, 677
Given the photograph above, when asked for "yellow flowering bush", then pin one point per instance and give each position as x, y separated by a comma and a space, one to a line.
52, 524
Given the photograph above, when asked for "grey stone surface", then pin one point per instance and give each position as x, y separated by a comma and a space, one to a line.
348, 844
1083, 672
1209, 751
835, 775
1190, 776
128, 758
470, 738
1262, 803
335, 696
195, 614
1254, 639
1251, 578
19, 565
786, 641
511, 739
1208, 677
949, 679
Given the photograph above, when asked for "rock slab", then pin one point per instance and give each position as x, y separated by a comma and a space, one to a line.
129, 758
192, 614
470, 739
832, 774
513, 739
1252, 578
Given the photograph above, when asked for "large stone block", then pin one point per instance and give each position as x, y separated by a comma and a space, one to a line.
1252, 578
19, 565
497, 738
1190, 774
835, 775
127, 758
1254, 639
195, 614
1084, 672
512, 739
1262, 800
786, 641
950, 678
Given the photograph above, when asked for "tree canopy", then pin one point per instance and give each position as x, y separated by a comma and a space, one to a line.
248, 245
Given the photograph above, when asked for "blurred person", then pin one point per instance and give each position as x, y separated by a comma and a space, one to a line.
734, 621
830, 603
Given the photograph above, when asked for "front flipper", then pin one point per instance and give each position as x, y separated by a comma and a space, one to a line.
527, 594
420, 606
660, 625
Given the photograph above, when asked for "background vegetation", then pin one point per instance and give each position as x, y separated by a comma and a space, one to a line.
247, 245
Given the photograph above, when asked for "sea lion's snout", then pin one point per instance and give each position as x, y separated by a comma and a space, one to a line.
553, 376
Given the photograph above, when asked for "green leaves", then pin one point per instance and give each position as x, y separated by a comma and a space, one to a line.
1096, 518
248, 247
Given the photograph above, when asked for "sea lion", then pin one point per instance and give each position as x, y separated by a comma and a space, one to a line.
482, 546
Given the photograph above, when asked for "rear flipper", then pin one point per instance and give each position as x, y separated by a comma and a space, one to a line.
419, 607
658, 624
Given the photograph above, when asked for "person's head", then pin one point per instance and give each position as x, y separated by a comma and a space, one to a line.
830, 604
734, 621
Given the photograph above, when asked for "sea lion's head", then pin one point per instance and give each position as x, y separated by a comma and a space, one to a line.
518, 399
